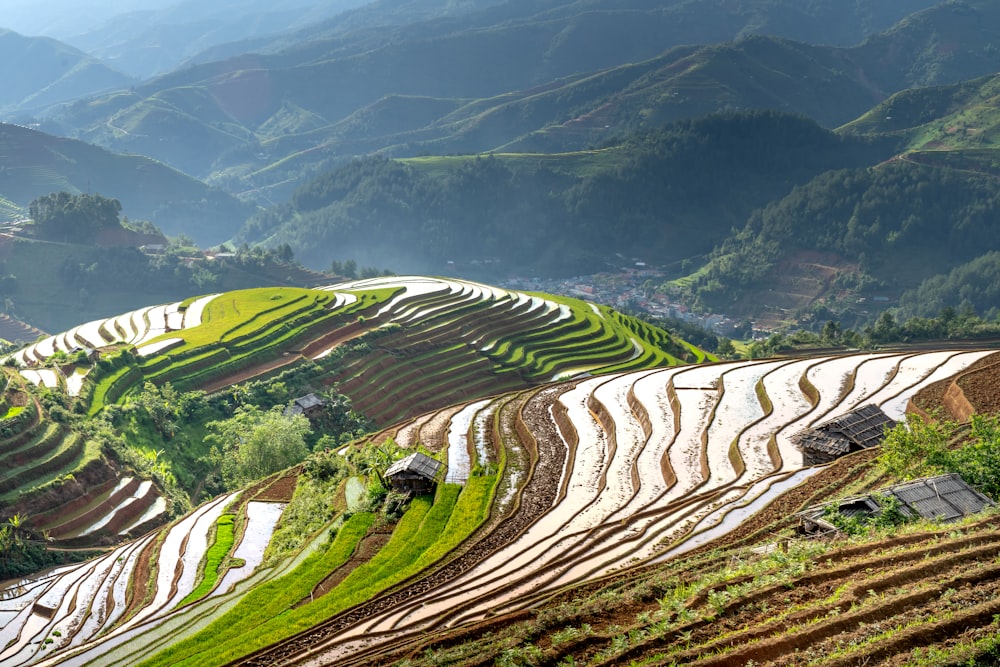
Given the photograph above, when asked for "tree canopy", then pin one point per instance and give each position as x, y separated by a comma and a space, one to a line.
62, 216
256, 443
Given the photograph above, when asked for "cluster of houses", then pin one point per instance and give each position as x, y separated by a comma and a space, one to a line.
626, 290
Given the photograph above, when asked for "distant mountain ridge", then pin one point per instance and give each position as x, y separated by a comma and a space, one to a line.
39, 72
249, 114
33, 164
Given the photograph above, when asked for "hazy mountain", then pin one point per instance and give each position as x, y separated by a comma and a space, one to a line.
38, 72
511, 76
560, 213
153, 41
33, 164
61, 18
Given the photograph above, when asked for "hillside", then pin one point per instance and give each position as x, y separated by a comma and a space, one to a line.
901, 223
551, 214
240, 120
148, 42
82, 281
391, 346
39, 72
35, 164
571, 505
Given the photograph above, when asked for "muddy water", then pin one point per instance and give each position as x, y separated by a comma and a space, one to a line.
727, 519
195, 528
895, 407
738, 407
91, 333
159, 506
459, 462
140, 491
870, 377
261, 520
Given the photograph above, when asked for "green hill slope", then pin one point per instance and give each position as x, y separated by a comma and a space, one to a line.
546, 214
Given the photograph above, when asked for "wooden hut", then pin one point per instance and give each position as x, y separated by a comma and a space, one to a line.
944, 498
859, 429
309, 405
417, 474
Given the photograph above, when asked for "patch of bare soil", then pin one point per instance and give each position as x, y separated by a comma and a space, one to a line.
795, 283
280, 490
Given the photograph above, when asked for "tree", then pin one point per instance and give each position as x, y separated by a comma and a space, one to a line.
915, 448
65, 217
255, 443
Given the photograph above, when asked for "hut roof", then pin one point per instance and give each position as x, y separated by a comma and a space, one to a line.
944, 498
415, 464
862, 427
304, 404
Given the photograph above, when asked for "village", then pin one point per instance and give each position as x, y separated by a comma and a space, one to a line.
631, 290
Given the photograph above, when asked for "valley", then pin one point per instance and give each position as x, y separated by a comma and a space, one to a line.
499, 332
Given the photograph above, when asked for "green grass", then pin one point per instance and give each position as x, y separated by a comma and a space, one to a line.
426, 533
91, 451
12, 412
216, 554
228, 314
261, 605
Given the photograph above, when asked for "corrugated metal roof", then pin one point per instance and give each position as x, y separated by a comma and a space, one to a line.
416, 463
946, 497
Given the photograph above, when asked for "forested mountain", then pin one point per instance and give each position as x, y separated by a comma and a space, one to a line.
146, 42
33, 164
663, 195
900, 224
497, 75
38, 72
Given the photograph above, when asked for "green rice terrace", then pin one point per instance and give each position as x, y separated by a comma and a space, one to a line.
585, 497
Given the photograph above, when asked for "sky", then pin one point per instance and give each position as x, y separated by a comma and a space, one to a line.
63, 18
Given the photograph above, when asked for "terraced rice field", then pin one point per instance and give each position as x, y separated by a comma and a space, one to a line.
645, 466
603, 476
71, 606
433, 342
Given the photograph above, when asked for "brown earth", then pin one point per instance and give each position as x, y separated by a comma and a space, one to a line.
280, 490
794, 283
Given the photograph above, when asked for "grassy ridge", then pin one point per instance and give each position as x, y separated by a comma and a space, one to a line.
217, 552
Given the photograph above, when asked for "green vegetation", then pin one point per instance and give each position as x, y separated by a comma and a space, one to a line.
921, 447
426, 532
64, 217
261, 605
889, 516
216, 555
657, 176
252, 444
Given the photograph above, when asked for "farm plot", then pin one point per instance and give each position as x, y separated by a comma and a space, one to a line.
720, 415
51, 616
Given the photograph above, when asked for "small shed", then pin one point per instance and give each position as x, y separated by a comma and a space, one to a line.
944, 498
309, 405
91, 353
858, 429
416, 474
